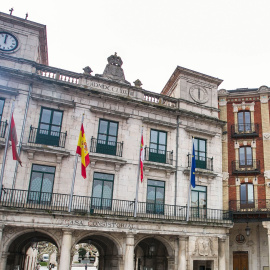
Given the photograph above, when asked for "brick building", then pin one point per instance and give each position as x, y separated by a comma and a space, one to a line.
246, 165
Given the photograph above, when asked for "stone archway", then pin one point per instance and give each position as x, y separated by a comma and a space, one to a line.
109, 249
153, 253
16, 249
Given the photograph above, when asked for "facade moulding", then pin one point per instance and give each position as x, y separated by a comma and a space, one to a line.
57, 101
159, 123
201, 131
110, 112
9, 90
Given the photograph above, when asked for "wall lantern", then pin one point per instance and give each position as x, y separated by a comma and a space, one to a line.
152, 250
34, 243
247, 229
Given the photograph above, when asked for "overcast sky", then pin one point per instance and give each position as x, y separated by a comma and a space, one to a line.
227, 39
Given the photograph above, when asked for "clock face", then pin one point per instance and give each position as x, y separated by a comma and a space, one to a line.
198, 94
8, 42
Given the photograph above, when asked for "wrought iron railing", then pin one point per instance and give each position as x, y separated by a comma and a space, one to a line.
106, 147
47, 137
14, 198
246, 166
203, 163
245, 130
3, 127
251, 205
159, 156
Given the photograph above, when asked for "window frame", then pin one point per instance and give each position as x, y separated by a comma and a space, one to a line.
248, 203
247, 162
246, 125
200, 163
155, 154
197, 210
40, 193
156, 208
1, 112
100, 200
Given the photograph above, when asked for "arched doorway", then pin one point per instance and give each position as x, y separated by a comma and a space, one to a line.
23, 252
104, 248
151, 254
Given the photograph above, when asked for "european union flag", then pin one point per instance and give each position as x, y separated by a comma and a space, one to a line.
193, 167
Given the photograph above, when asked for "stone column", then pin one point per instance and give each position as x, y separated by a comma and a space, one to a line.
129, 254
65, 251
182, 260
3, 263
221, 253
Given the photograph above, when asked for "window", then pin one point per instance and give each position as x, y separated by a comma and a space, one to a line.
41, 184
245, 156
247, 195
199, 201
102, 190
244, 121
155, 196
200, 153
107, 137
49, 127
2, 102
158, 146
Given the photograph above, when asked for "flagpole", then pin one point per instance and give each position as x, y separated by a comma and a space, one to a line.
138, 177
6, 147
189, 191
74, 175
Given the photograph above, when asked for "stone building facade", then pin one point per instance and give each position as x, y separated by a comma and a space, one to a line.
245, 147
36, 204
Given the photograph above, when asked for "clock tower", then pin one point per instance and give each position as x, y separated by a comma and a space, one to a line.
20, 38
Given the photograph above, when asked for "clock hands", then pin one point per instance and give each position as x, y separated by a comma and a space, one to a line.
5, 39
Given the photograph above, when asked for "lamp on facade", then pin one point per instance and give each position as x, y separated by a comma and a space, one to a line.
34, 243
151, 250
247, 229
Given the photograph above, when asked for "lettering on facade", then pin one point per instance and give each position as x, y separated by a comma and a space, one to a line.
105, 224
110, 88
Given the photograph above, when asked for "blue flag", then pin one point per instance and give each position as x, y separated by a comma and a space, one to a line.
193, 167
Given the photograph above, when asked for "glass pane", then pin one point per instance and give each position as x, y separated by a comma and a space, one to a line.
199, 188
151, 194
102, 139
196, 144
36, 179
111, 140
43, 168
113, 129
47, 184
202, 199
153, 136
194, 199
153, 146
57, 118
43, 128
103, 126
160, 195
240, 118
1, 107
97, 190
156, 183
242, 156
162, 137
250, 193
107, 190
249, 153
103, 176
243, 193
247, 117
46, 116
202, 146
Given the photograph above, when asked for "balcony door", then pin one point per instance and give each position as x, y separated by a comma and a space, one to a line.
247, 195
199, 201
41, 184
245, 156
49, 128
155, 197
158, 146
107, 137
200, 153
244, 122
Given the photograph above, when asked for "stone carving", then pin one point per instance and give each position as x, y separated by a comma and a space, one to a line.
113, 70
267, 175
138, 83
223, 92
204, 247
87, 70
266, 136
263, 88
264, 99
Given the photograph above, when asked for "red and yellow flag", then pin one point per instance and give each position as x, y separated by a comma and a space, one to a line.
141, 158
83, 151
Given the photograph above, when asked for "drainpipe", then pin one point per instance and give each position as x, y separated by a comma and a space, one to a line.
22, 133
176, 162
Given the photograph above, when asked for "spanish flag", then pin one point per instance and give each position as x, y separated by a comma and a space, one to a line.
83, 151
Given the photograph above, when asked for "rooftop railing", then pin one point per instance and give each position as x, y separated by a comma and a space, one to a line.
24, 199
